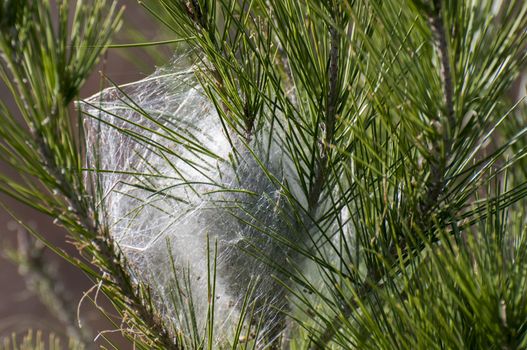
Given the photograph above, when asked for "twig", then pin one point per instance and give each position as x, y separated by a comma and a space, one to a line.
330, 121
440, 40
321, 169
437, 171
446, 124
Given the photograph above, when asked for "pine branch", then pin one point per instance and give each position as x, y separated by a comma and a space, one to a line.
53, 156
105, 252
108, 257
444, 126
435, 184
321, 171
113, 263
134, 295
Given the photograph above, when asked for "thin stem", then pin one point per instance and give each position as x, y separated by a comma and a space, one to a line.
440, 40
448, 123
322, 166
330, 121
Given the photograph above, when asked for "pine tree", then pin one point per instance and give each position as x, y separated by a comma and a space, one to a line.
301, 175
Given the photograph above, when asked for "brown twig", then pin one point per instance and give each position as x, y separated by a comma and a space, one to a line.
446, 124
317, 185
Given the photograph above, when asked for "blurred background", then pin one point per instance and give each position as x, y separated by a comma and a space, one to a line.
20, 307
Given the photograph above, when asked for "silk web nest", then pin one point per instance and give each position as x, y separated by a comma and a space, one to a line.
179, 194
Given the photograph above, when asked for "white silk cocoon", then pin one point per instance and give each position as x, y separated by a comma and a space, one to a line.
169, 183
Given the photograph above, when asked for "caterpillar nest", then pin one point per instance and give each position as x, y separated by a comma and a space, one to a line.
192, 209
